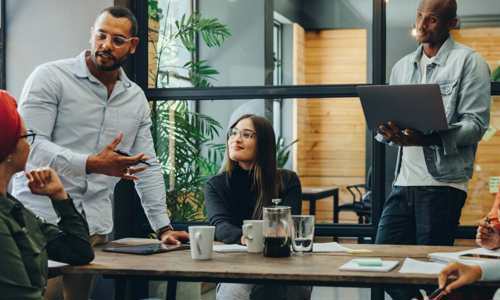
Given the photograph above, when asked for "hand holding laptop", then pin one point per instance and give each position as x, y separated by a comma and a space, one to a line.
406, 137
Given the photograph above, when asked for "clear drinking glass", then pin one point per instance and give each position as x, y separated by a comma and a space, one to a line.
303, 233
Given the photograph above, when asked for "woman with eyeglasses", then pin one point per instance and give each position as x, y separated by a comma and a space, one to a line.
26, 242
249, 182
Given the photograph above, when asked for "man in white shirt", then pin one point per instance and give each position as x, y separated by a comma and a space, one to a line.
84, 110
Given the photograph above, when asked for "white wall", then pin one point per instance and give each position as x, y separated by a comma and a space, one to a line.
42, 31
240, 61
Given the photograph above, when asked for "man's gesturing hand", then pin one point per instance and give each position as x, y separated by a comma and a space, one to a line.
110, 163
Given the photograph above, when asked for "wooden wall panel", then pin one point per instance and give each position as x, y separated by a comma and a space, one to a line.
299, 78
485, 41
479, 199
331, 133
298, 54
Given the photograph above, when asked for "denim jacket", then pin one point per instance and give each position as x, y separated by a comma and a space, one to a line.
464, 79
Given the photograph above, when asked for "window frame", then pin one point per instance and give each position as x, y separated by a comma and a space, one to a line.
335, 91
3, 46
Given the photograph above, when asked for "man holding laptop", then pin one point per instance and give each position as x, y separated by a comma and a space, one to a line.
433, 169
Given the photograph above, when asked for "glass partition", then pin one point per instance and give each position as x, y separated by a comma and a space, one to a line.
322, 140
241, 43
250, 45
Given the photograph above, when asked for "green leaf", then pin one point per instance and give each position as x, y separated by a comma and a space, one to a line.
189, 132
283, 151
495, 76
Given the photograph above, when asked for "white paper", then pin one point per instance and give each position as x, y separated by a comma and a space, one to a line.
230, 248
336, 247
56, 264
413, 266
352, 265
455, 256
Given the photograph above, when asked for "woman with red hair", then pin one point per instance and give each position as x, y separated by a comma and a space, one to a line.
26, 241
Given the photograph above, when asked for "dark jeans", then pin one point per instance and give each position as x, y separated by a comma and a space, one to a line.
419, 215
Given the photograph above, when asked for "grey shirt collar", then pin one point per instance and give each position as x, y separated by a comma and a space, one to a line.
81, 70
441, 56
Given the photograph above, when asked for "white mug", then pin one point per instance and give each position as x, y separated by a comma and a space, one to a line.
252, 234
201, 239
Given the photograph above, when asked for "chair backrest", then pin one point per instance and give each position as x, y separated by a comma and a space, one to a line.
368, 184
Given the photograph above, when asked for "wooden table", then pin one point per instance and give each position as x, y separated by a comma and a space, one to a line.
310, 269
313, 194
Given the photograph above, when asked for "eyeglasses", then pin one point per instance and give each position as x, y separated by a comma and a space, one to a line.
29, 136
246, 134
117, 41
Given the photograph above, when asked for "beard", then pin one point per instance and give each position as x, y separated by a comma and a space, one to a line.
433, 38
117, 63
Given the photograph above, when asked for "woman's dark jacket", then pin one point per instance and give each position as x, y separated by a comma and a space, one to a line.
26, 242
230, 200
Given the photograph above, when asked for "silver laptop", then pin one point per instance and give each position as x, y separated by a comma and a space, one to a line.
415, 106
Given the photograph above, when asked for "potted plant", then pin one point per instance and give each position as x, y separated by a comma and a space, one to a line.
179, 132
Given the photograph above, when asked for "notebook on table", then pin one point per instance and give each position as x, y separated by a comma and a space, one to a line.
145, 249
352, 265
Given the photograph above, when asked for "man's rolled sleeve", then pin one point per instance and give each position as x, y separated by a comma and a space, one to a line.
448, 142
64, 161
79, 163
490, 271
159, 221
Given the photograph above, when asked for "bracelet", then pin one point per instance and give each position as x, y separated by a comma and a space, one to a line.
164, 229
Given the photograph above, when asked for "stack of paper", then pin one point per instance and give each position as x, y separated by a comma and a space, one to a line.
336, 247
56, 264
414, 266
222, 248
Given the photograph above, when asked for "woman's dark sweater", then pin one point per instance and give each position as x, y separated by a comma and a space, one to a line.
230, 200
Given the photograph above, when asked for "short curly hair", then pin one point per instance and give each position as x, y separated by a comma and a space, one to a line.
122, 12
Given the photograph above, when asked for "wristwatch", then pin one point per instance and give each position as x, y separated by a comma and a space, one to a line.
164, 229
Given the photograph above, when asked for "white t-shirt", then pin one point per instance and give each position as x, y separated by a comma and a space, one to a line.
413, 170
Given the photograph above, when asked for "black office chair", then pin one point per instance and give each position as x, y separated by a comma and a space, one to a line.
361, 200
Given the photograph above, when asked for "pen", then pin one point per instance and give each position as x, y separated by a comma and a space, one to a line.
128, 155
474, 255
436, 293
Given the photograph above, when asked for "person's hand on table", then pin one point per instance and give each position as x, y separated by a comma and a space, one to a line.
243, 240
174, 237
487, 236
407, 137
463, 274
